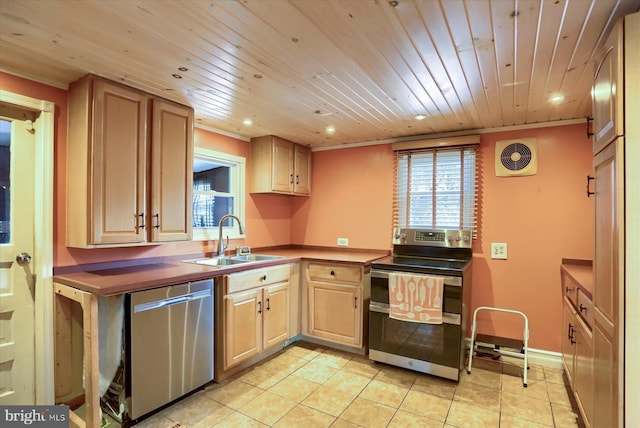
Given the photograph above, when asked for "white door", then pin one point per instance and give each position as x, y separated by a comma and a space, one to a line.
17, 280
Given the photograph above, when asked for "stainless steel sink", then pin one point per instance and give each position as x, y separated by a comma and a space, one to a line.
232, 260
216, 261
255, 257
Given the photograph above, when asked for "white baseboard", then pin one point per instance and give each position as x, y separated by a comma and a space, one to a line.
538, 357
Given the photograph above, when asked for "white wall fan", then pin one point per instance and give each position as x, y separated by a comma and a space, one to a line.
516, 157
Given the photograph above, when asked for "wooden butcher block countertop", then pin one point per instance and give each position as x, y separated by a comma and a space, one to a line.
117, 280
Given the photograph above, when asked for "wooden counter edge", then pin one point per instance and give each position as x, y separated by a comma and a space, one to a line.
581, 272
85, 282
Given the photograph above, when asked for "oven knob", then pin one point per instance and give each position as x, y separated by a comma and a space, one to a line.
457, 238
466, 238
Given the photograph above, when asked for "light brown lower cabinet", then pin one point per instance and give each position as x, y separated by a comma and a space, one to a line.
568, 342
256, 312
583, 370
578, 347
336, 301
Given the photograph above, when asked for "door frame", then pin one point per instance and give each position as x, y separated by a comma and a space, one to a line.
43, 243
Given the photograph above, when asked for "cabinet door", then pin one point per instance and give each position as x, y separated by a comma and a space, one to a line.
118, 165
276, 314
282, 168
607, 92
606, 269
334, 312
568, 340
583, 374
302, 167
242, 326
171, 172
608, 275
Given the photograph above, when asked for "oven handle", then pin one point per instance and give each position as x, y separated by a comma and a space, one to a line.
383, 308
453, 281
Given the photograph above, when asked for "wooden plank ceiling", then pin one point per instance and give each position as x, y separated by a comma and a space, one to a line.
297, 68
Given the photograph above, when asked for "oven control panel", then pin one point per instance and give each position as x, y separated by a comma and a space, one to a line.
433, 237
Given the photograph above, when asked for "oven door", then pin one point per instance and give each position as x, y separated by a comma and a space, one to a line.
429, 348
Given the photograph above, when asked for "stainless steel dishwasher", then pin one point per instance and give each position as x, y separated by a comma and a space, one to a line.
170, 345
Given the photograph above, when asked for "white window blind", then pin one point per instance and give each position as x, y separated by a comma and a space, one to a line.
436, 189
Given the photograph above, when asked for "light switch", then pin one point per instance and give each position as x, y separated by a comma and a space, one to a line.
499, 250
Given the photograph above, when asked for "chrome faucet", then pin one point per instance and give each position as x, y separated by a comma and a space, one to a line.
221, 246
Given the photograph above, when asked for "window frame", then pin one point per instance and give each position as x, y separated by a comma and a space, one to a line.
238, 190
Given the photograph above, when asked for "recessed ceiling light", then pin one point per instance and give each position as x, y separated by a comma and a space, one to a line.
420, 116
557, 98
330, 129
247, 122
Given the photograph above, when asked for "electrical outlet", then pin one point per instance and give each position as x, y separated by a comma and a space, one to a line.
343, 242
499, 250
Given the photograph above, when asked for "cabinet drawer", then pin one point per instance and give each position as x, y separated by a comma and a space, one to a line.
256, 278
335, 273
585, 308
570, 288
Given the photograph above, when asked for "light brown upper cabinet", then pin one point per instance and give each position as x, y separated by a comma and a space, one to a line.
129, 167
606, 93
279, 166
171, 172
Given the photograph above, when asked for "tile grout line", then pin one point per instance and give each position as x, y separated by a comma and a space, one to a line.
343, 371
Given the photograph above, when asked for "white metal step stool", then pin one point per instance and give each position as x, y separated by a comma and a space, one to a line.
492, 344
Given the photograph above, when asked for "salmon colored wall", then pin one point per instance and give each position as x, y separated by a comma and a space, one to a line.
543, 218
351, 197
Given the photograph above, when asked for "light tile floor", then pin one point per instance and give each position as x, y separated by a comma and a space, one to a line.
310, 386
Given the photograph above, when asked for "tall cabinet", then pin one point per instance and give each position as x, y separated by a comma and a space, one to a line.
615, 109
129, 166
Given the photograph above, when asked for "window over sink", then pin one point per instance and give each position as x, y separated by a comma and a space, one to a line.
218, 189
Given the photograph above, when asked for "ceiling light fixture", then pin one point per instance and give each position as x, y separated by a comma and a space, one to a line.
557, 98
330, 129
247, 122
420, 116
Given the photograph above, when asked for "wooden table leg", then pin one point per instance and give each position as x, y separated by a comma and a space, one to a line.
89, 305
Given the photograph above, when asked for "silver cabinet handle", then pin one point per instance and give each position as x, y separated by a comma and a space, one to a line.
170, 301
23, 259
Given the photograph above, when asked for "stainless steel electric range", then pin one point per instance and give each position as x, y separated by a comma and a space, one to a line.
437, 349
